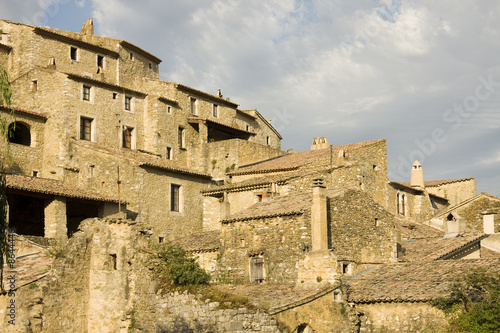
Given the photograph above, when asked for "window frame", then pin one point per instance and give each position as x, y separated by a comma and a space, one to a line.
193, 106
73, 53
128, 132
86, 93
181, 137
175, 198
215, 110
127, 103
91, 128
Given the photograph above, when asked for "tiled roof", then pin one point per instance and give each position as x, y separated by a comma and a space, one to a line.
28, 268
25, 112
412, 229
217, 123
435, 183
295, 160
465, 202
293, 204
279, 179
436, 247
201, 241
53, 187
410, 282
144, 159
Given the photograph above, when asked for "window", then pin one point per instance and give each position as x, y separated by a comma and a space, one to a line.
150, 66
34, 85
168, 155
86, 128
91, 170
114, 95
86, 93
175, 197
268, 140
73, 53
113, 261
169, 109
100, 62
131, 56
128, 103
128, 137
215, 110
193, 106
401, 204
257, 270
19, 133
247, 128
181, 137
35, 173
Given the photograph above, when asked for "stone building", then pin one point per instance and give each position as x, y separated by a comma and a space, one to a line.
93, 117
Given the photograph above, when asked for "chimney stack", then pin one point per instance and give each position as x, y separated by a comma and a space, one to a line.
417, 175
319, 223
88, 28
320, 143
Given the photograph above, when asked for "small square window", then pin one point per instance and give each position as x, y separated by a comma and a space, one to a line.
35, 173
128, 103
175, 197
73, 53
215, 110
86, 128
86, 93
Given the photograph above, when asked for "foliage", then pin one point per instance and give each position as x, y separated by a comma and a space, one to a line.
474, 302
5, 95
180, 268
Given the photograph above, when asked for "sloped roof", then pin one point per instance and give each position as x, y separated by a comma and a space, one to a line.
435, 248
142, 158
53, 187
293, 204
24, 112
279, 178
200, 241
295, 160
28, 268
412, 229
410, 282
465, 202
436, 183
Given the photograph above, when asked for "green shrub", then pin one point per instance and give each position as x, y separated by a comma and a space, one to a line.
181, 268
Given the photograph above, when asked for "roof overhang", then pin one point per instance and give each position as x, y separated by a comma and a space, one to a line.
105, 85
5, 48
221, 127
140, 51
212, 98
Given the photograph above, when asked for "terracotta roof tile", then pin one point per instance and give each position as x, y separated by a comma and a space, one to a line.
295, 160
411, 229
25, 112
293, 204
410, 282
434, 183
53, 187
28, 268
436, 247
201, 241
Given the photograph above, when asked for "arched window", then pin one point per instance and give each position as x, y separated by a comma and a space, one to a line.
20, 134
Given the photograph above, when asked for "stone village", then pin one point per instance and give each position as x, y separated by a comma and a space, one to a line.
108, 158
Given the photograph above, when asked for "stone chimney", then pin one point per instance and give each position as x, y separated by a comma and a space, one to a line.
489, 224
319, 223
225, 209
417, 175
88, 28
454, 224
320, 143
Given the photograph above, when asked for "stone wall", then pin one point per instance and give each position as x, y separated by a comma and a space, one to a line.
277, 240
455, 192
362, 230
401, 317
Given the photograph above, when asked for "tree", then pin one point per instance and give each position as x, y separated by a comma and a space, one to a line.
5, 95
474, 302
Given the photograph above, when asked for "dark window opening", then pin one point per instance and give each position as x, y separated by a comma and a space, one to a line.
215, 110
180, 137
26, 215
86, 128
345, 268
100, 61
77, 211
174, 197
114, 95
113, 261
35, 173
168, 155
150, 66
20, 134
34, 85
450, 217
74, 53
131, 56
160, 239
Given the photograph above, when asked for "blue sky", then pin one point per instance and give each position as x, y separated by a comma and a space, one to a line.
423, 74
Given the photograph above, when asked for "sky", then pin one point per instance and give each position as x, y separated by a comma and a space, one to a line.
423, 74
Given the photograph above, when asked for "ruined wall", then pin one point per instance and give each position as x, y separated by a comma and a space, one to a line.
401, 317
361, 229
278, 240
